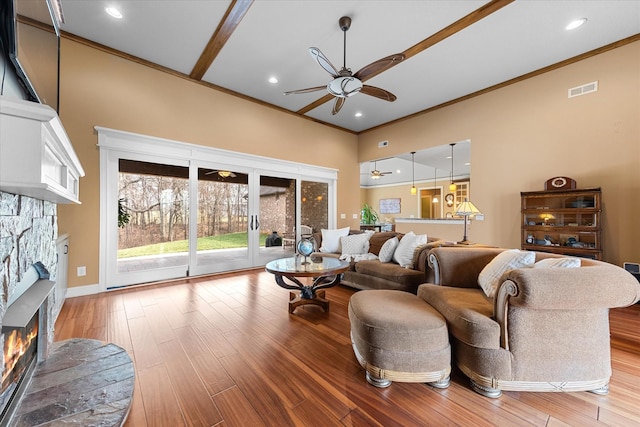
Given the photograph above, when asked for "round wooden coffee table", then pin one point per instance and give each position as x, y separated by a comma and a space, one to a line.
325, 271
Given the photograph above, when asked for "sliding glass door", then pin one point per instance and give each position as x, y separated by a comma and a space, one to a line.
187, 211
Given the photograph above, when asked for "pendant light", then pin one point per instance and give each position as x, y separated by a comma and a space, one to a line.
452, 186
414, 191
434, 199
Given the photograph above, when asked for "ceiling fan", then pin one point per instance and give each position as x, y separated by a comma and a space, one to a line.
375, 173
222, 173
345, 83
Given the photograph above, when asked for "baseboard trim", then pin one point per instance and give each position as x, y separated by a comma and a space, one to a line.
81, 291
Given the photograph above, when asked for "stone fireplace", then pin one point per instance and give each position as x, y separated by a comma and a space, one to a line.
28, 232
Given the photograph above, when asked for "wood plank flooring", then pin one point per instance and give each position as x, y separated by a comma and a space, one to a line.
224, 351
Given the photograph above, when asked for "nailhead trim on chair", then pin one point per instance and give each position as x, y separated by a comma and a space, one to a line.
480, 384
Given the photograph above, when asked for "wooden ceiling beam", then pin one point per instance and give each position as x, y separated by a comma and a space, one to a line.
459, 25
234, 14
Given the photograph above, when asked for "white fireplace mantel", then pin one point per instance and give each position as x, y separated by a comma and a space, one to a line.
36, 155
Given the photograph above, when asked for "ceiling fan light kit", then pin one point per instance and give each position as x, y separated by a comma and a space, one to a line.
345, 83
375, 173
344, 86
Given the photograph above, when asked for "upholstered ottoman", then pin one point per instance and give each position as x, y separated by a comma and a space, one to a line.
397, 336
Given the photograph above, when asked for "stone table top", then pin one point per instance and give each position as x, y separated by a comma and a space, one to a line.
82, 382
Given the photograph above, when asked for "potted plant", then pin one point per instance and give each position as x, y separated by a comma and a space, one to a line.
368, 215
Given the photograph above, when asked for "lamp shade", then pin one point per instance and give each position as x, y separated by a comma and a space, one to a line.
467, 208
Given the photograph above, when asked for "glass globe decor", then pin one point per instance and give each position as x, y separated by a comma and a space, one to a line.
305, 248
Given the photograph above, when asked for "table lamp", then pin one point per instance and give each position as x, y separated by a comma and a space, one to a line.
466, 210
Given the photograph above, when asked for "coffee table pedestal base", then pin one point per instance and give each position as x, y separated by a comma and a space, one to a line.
296, 300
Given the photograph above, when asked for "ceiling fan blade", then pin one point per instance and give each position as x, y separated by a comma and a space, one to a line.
309, 89
378, 93
323, 61
379, 66
337, 105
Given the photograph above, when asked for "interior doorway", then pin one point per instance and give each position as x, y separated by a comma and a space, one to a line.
430, 203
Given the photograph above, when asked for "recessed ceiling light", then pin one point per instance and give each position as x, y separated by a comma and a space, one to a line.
112, 11
575, 24
273, 80
358, 114
398, 171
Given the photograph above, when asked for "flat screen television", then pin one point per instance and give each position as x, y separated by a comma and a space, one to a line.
31, 35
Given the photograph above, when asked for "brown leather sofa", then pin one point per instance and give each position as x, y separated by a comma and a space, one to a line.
373, 274
547, 329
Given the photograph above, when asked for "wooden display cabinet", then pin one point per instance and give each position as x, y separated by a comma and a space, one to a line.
562, 221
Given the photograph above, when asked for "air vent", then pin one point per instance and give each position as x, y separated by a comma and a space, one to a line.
382, 144
583, 90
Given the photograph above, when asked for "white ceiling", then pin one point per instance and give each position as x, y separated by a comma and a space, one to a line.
273, 37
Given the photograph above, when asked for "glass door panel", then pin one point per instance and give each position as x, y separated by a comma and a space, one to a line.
314, 206
153, 215
277, 218
222, 221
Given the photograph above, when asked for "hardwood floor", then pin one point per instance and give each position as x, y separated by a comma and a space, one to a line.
223, 351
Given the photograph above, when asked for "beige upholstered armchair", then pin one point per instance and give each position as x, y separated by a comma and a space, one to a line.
546, 329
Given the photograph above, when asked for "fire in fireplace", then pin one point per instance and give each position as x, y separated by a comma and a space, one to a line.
20, 351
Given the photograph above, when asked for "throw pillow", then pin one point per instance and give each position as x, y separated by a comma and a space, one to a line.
331, 239
489, 278
355, 244
387, 250
565, 262
403, 254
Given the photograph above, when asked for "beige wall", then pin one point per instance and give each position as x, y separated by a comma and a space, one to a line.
525, 133
98, 89
521, 135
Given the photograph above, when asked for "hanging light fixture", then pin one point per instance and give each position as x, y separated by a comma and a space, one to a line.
414, 191
434, 199
452, 186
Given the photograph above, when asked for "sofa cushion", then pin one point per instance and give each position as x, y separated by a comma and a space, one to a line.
489, 277
564, 262
403, 254
331, 239
378, 239
355, 244
468, 313
388, 249
390, 271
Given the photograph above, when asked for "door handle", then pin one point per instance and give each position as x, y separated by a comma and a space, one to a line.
251, 223
257, 222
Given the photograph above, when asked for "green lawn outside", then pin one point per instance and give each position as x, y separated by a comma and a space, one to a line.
224, 241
